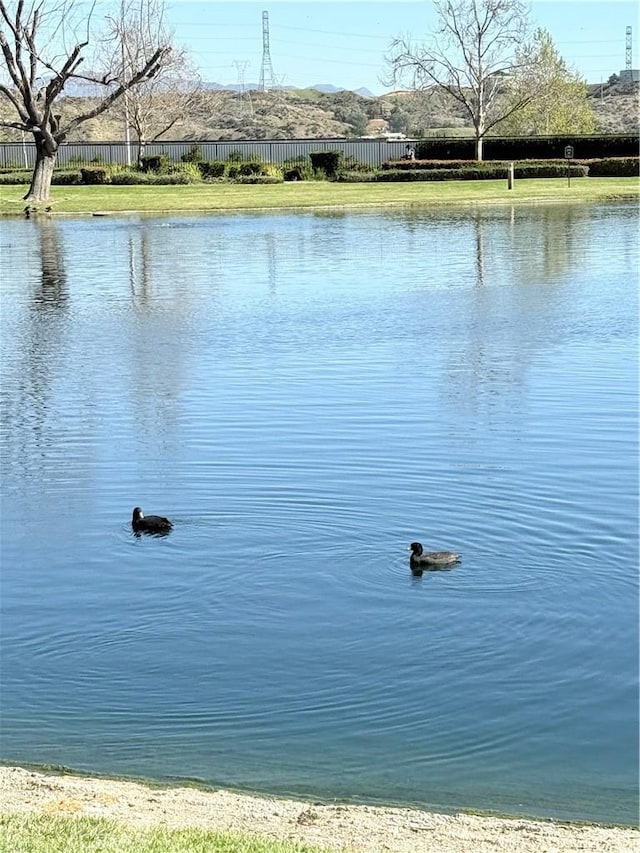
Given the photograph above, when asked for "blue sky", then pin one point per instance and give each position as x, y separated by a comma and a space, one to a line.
344, 42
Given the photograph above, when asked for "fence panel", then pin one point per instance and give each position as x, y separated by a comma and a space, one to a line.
373, 152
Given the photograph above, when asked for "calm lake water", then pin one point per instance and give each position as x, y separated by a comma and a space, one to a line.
304, 395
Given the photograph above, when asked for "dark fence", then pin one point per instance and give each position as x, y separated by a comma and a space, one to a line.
531, 147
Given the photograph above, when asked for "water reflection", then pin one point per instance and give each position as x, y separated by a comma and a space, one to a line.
139, 278
40, 351
54, 283
272, 257
539, 243
480, 250
518, 268
157, 326
485, 289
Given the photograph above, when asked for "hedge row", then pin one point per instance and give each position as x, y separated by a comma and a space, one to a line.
615, 167
160, 164
419, 165
618, 167
102, 175
436, 170
482, 173
23, 176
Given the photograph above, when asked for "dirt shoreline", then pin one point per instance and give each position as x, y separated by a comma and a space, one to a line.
340, 827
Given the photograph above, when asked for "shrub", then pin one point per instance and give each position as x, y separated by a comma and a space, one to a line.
297, 169
294, 174
550, 170
193, 155
427, 164
436, 174
17, 177
327, 163
251, 167
23, 176
176, 178
357, 177
484, 172
211, 169
157, 163
128, 178
66, 178
351, 164
232, 171
615, 167
190, 169
95, 175
259, 179
272, 170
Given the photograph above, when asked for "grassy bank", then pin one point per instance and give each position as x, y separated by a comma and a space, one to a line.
56, 834
316, 194
46, 812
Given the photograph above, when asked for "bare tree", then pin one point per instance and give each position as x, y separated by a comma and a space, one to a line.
471, 55
160, 104
44, 44
157, 104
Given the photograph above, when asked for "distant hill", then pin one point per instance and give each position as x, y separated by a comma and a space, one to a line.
222, 113
616, 105
327, 88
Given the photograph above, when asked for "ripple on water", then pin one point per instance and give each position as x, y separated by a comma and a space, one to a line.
302, 420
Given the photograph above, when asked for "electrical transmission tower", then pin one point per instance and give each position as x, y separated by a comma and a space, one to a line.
266, 71
245, 107
627, 63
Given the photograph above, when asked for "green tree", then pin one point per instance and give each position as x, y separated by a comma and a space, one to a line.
559, 96
348, 108
399, 120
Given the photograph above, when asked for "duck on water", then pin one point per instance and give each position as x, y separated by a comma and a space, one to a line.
155, 524
421, 560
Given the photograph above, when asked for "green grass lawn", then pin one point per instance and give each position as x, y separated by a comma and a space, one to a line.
55, 834
316, 194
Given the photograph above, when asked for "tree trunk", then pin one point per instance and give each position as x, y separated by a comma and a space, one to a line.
142, 145
479, 144
46, 155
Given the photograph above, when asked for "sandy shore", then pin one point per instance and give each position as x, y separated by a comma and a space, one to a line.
358, 829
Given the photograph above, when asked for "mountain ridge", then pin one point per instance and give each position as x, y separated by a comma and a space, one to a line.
325, 88
246, 114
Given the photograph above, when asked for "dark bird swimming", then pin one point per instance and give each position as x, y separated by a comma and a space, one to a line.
149, 523
420, 559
